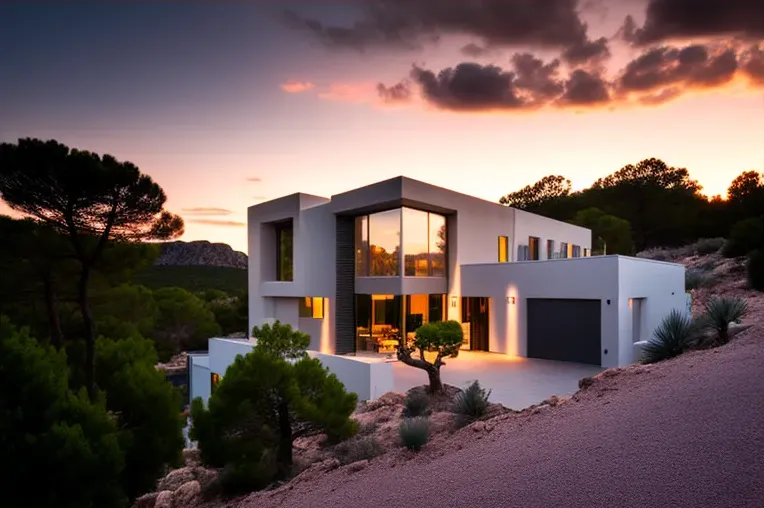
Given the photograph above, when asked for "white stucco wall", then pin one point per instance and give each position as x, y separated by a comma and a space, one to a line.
368, 378
200, 380
603, 278
660, 285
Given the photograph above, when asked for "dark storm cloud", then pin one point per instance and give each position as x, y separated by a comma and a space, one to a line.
681, 19
585, 89
473, 50
692, 66
554, 24
398, 93
529, 84
586, 51
753, 64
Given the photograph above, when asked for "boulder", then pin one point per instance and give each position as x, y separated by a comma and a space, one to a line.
176, 478
186, 495
164, 499
146, 501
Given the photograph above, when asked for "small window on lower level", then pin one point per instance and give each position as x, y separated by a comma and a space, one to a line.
563, 250
550, 254
312, 307
587, 252
576, 251
503, 249
214, 381
570, 250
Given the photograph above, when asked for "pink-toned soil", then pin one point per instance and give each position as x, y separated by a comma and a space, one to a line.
688, 432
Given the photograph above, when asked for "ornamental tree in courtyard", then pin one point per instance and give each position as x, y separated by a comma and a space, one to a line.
441, 339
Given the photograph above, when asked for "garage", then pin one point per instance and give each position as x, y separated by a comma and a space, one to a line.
567, 330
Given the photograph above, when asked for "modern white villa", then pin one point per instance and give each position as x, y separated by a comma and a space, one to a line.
363, 269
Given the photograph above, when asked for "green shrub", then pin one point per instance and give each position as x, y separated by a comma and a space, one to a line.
706, 246
146, 407
720, 312
746, 236
416, 403
696, 278
676, 334
247, 428
755, 268
281, 340
50, 434
414, 432
358, 448
472, 403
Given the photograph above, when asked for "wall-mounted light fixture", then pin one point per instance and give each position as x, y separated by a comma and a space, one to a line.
453, 301
511, 300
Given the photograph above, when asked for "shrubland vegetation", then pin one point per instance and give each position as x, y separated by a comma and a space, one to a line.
265, 400
83, 404
85, 318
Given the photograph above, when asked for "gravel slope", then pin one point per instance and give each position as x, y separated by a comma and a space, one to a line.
684, 433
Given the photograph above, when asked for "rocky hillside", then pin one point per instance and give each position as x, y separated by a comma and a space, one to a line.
201, 253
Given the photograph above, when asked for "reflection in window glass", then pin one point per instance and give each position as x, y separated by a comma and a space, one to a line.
384, 243
361, 246
415, 238
437, 245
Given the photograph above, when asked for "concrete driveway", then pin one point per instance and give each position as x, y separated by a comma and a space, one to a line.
515, 382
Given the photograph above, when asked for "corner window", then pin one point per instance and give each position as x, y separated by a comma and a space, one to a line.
284, 254
533, 248
312, 307
503, 249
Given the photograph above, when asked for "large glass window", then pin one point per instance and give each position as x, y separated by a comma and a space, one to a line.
284, 256
423, 309
378, 322
437, 245
378, 244
415, 249
385, 243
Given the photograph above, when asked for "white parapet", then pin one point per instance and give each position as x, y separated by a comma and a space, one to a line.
369, 378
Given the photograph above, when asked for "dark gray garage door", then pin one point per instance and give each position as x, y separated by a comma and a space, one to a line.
565, 330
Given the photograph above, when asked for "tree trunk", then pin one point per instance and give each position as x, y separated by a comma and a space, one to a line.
284, 454
87, 318
436, 385
54, 320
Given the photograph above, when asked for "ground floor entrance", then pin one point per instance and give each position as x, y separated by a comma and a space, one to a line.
383, 321
475, 323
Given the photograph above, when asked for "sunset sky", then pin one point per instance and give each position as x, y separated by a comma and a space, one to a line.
227, 104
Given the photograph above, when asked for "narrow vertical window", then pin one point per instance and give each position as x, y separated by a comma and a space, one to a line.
533, 248
563, 250
570, 250
550, 249
503, 249
284, 254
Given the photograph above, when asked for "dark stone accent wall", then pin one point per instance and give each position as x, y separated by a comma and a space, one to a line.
344, 306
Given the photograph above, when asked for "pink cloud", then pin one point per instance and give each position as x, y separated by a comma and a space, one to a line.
350, 92
297, 86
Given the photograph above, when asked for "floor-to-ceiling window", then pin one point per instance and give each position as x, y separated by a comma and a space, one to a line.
378, 322
378, 244
383, 320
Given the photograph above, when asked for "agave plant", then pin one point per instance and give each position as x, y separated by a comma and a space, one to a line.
676, 334
720, 312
